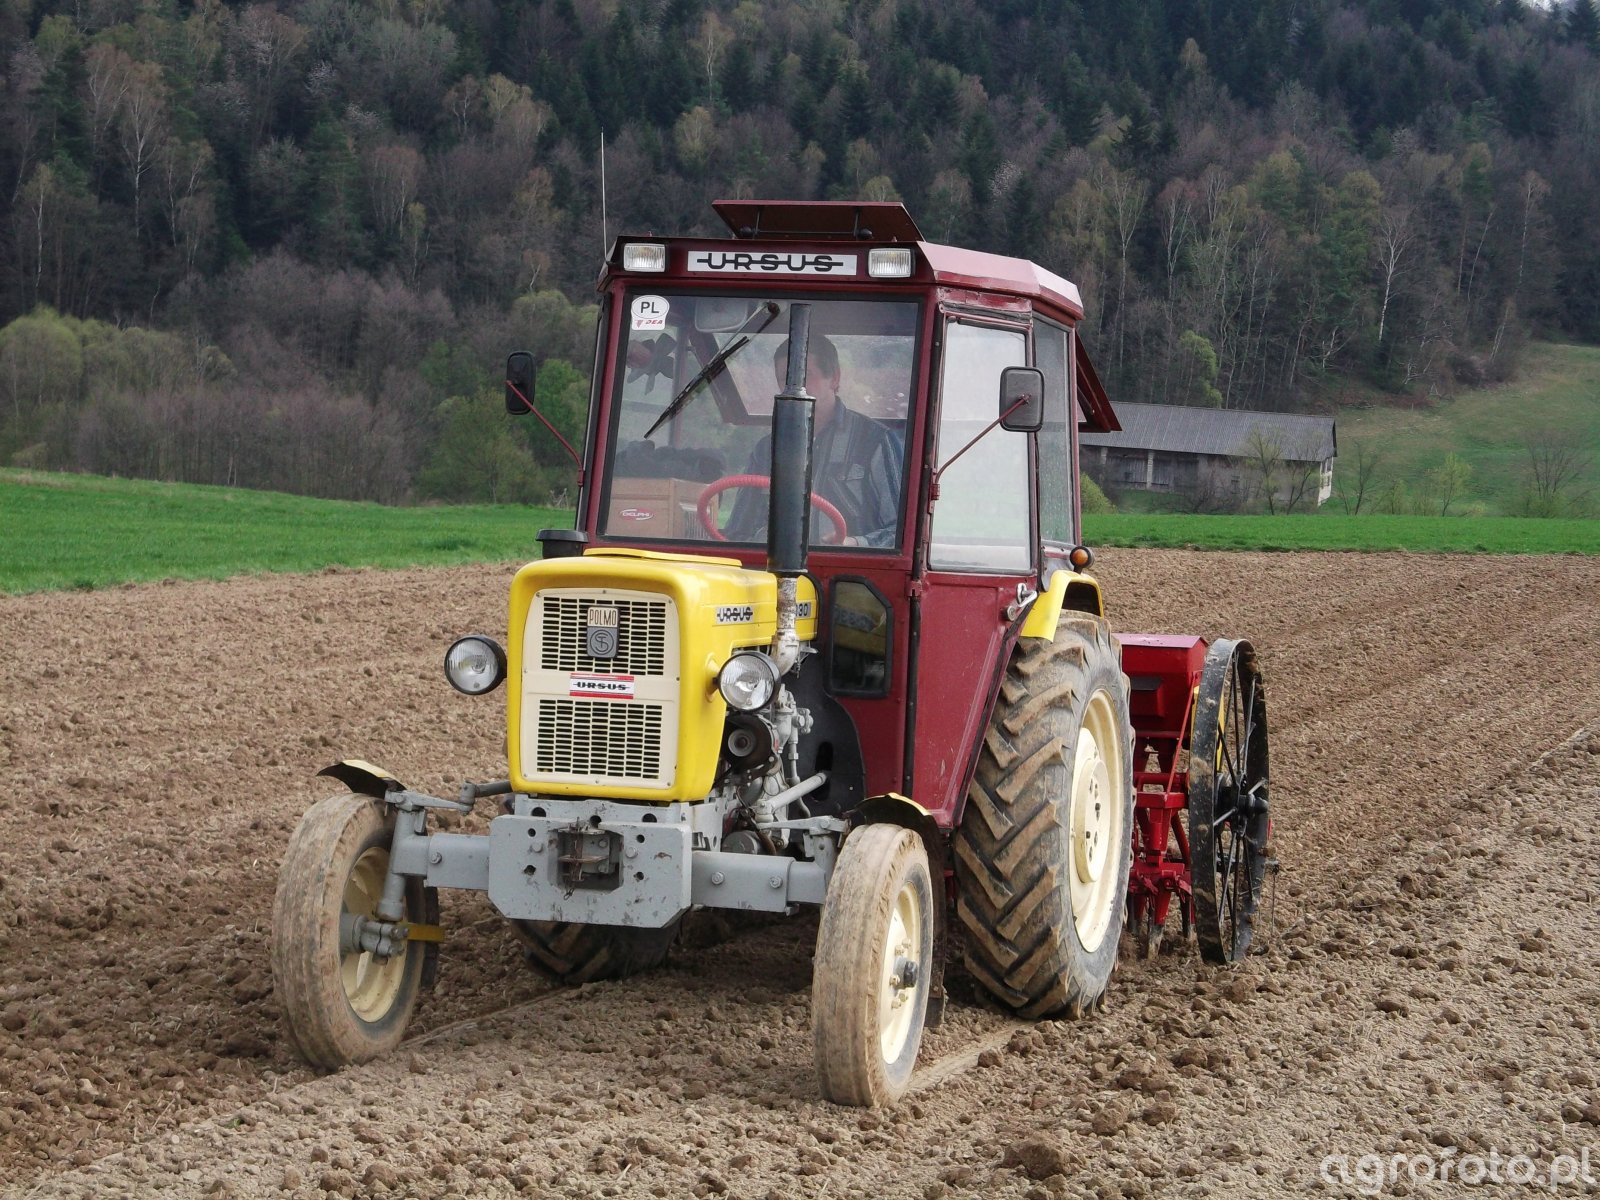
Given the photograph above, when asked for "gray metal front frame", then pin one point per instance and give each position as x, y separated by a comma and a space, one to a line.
670, 862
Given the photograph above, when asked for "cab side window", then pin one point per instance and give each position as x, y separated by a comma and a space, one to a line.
981, 520
1052, 353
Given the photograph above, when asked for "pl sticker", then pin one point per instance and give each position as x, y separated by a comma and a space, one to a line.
649, 312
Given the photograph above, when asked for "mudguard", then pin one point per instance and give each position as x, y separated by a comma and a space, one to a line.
363, 778
1067, 590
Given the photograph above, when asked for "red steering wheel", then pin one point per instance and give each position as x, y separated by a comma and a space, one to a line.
728, 482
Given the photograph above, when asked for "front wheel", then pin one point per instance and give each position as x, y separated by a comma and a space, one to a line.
342, 1004
874, 964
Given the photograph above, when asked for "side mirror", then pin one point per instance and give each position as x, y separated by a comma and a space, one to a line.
1022, 399
519, 384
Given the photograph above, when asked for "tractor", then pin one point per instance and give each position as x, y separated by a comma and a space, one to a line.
822, 635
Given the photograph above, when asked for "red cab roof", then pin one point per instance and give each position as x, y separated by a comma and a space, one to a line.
952, 266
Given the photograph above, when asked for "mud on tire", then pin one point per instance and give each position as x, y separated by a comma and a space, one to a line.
1048, 824
342, 1007
872, 968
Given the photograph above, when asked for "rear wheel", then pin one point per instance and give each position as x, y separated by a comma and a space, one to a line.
874, 961
569, 952
1044, 847
343, 1004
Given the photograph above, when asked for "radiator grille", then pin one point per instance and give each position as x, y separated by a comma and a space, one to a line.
599, 737
641, 636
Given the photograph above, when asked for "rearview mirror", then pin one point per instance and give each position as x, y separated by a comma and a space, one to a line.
1022, 399
519, 384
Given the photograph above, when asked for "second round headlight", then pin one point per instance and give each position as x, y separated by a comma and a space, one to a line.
475, 665
747, 681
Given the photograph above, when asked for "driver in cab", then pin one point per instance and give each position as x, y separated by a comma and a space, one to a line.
856, 461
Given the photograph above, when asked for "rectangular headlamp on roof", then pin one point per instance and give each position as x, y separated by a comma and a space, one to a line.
644, 256
890, 262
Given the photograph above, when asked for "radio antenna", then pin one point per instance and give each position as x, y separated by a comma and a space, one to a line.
605, 236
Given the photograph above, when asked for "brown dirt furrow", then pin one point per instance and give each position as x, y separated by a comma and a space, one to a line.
1430, 987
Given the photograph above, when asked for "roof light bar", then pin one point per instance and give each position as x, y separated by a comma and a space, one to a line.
890, 262
644, 256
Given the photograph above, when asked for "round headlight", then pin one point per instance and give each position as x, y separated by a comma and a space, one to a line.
475, 665
747, 681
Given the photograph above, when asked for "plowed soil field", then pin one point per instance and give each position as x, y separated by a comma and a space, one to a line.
1428, 984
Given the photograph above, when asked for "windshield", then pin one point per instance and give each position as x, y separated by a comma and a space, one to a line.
683, 434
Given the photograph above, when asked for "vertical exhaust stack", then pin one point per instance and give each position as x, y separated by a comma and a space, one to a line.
789, 498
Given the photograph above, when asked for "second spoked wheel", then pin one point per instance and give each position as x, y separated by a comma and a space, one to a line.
1229, 817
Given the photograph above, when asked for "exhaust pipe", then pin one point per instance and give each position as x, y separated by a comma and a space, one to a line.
789, 497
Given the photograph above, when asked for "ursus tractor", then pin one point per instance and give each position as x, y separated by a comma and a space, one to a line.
822, 636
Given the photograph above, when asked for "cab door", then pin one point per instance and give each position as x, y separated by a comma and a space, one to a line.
978, 553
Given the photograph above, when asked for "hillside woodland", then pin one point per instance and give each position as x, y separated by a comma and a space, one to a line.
288, 244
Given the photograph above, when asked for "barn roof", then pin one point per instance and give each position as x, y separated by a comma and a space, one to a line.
1177, 429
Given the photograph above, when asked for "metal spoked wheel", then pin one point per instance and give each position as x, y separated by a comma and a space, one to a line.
1228, 805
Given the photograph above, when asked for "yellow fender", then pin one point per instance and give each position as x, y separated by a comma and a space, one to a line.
1067, 590
363, 778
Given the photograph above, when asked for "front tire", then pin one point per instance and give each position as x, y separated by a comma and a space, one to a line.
342, 1005
1044, 847
873, 968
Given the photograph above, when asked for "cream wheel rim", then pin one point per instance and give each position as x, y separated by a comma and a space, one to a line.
371, 984
1096, 822
900, 979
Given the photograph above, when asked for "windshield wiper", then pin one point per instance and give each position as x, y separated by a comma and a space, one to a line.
715, 363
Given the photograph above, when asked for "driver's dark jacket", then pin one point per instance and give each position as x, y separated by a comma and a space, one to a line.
856, 466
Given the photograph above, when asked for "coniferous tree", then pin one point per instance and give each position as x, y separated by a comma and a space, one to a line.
1583, 24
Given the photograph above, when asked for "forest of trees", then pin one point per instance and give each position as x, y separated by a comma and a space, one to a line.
288, 244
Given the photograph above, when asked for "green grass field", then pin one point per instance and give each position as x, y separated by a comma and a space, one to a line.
1556, 394
83, 531
1325, 531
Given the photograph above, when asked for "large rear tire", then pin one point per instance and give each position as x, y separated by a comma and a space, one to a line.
873, 967
1044, 846
571, 953
342, 1005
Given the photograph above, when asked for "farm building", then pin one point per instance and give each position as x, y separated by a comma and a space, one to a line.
1224, 454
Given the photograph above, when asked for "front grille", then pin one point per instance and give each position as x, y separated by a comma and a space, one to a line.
613, 738
641, 636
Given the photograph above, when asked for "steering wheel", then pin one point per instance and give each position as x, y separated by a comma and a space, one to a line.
728, 482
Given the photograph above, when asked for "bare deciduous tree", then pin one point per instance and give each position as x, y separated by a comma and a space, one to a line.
1553, 478
1359, 474
1263, 454
1447, 483
1302, 472
141, 126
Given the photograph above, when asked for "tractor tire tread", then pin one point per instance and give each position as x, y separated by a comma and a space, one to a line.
1011, 852
571, 952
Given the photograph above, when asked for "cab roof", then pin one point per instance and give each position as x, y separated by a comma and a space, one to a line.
888, 222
